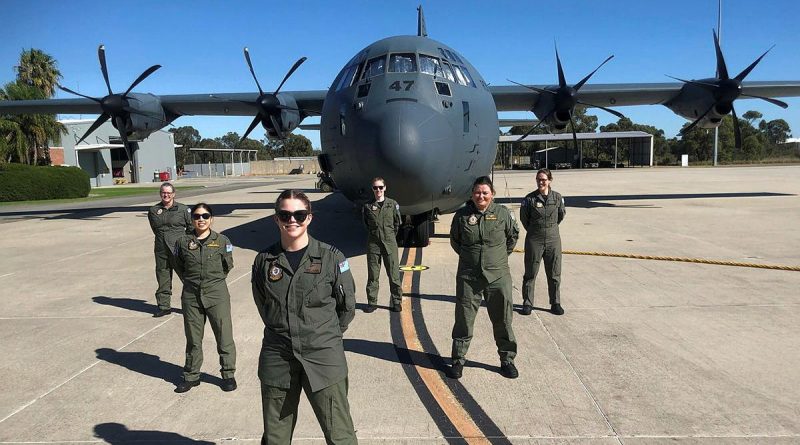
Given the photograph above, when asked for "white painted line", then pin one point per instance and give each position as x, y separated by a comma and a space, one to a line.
82, 371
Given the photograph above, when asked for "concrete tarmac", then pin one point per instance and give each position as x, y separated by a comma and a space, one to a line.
648, 352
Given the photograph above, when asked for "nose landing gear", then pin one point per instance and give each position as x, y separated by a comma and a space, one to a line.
416, 230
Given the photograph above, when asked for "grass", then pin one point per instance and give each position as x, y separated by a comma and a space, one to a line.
97, 194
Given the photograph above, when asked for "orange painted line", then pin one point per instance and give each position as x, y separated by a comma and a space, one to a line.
433, 380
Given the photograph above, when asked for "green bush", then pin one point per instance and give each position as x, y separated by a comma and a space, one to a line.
19, 182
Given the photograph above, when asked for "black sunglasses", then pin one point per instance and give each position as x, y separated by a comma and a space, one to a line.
286, 216
197, 216
378, 187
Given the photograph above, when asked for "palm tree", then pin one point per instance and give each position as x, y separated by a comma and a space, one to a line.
35, 131
38, 69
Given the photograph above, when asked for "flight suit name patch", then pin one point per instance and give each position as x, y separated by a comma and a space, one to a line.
491, 217
213, 244
314, 267
275, 272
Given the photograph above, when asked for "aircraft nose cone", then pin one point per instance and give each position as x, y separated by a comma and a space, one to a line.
411, 140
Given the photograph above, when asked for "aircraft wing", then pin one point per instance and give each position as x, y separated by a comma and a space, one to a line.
217, 104
518, 98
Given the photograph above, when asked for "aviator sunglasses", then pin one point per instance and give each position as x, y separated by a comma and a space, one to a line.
197, 216
299, 215
378, 187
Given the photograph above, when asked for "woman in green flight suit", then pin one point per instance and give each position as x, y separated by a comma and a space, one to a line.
203, 260
305, 294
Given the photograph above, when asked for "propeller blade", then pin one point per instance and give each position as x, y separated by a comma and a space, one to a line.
292, 70
722, 69
608, 110
747, 70
100, 121
737, 132
120, 126
142, 77
583, 81
76, 93
250, 64
252, 126
697, 121
538, 90
574, 135
694, 82
777, 102
538, 124
562, 81
101, 54
276, 126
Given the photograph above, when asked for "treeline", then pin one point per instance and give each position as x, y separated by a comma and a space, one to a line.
762, 141
188, 137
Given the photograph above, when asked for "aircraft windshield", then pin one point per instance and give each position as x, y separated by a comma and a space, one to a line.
463, 75
448, 72
402, 63
429, 65
375, 67
347, 77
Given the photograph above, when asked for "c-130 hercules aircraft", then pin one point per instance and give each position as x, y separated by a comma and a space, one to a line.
411, 110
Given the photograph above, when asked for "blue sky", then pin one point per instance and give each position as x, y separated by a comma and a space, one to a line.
199, 43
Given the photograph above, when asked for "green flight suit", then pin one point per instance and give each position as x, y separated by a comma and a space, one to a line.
305, 313
167, 224
541, 216
483, 242
383, 222
203, 267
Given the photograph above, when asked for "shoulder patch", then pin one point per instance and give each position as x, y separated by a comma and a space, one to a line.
229, 248
344, 266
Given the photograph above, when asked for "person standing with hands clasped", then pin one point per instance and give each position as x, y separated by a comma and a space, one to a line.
483, 234
169, 220
203, 261
305, 294
382, 218
541, 213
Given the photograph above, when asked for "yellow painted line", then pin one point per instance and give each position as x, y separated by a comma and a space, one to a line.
433, 380
680, 260
413, 268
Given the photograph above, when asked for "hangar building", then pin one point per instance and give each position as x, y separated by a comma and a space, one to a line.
104, 157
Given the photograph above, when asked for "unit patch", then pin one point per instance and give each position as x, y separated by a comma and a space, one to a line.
275, 272
539, 204
344, 266
159, 211
472, 220
229, 248
193, 245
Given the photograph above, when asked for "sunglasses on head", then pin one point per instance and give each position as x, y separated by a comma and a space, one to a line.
286, 216
378, 187
197, 216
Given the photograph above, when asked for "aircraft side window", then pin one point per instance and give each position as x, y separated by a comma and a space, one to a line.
444, 54
451, 56
466, 75
402, 63
429, 65
459, 76
375, 67
359, 72
347, 78
448, 72
443, 88
456, 58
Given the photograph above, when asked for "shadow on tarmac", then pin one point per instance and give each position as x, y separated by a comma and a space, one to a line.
150, 365
117, 434
335, 222
590, 202
130, 304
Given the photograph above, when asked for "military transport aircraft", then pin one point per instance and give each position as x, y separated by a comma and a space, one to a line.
414, 111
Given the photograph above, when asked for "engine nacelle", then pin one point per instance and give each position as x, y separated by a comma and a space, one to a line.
693, 101
288, 119
544, 107
149, 116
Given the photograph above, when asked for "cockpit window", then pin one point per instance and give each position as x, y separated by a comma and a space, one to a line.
444, 54
402, 63
455, 57
462, 73
375, 67
429, 65
346, 78
448, 72
459, 77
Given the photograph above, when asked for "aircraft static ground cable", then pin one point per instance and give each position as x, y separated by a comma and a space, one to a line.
681, 260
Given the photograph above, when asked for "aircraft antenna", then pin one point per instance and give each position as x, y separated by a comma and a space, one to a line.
421, 30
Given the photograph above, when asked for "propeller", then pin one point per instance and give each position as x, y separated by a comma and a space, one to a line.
268, 105
726, 90
115, 106
565, 98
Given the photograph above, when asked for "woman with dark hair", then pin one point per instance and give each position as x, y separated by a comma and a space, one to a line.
483, 234
203, 261
305, 294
